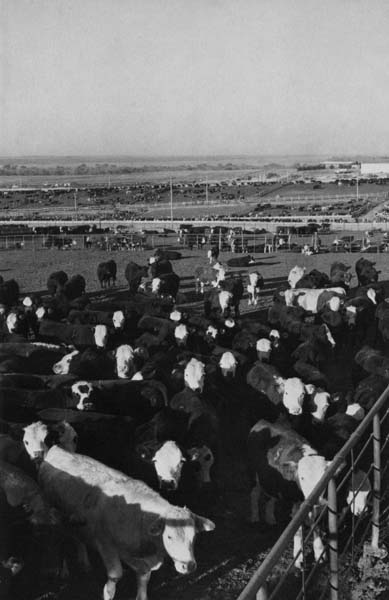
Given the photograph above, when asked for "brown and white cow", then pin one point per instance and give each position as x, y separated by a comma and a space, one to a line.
123, 519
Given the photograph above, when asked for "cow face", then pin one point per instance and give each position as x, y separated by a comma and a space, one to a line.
118, 319
310, 469
350, 315
194, 375
263, 347
101, 335
211, 332
82, 394
228, 364
359, 492
203, 458
225, 300
62, 367
178, 528
356, 411
295, 275
40, 312
156, 285
175, 316
334, 303
320, 402
34, 440
371, 294
293, 395
12, 322
168, 462
124, 361
181, 334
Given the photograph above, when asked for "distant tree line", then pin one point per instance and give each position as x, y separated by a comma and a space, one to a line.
106, 169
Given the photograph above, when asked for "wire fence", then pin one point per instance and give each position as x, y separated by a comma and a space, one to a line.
366, 456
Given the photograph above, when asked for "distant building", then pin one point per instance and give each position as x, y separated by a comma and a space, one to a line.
375, 169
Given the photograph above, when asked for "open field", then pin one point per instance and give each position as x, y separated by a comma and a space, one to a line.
31, 269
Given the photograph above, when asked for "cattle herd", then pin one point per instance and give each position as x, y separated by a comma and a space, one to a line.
117, 416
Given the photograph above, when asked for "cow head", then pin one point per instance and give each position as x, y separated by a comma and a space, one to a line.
124, 356
181, 334
334, 303
293, 393
203, 458
274, 337
263, 347
228, 364
101, 335
178, 527
295, 275
156, 285
194, 375
62, 367
118, 319
211, 332
372, 295
230, 323
175, 316
319, 401
168, 462
12, 322
225, 299
350, 315
34, 440
82, 392
356, 411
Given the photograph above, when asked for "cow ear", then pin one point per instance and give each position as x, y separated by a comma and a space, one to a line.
203, 524
157, 526
310, 388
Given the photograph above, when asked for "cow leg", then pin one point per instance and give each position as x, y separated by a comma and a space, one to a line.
318, 546
269, 512
298, 548
142, 580
202, 287
113, 567
255, 496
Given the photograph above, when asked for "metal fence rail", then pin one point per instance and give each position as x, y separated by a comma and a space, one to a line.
364, 449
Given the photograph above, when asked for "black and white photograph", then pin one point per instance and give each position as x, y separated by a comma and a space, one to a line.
194, 300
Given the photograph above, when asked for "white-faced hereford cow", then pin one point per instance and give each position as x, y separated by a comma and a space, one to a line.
123, 519
282, 464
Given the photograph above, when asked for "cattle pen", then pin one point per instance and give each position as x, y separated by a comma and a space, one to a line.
263, 586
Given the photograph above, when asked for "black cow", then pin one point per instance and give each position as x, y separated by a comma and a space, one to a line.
160, 266
241, 261
366, 271
56, 282
74, 287
163, 254
9, 293
134, 274
106, 273
313, 280
166, 285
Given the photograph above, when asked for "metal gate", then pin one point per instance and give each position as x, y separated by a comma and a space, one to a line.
365, 448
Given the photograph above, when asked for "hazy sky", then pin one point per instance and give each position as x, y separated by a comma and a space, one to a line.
171, 77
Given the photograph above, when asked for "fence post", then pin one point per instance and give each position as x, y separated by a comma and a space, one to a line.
377, 482
333, 539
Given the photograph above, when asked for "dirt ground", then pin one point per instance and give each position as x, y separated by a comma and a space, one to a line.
228, 556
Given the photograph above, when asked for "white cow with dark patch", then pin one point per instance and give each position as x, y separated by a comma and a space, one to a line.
282, 464
313, 300
123, 519
254, 286
290, 392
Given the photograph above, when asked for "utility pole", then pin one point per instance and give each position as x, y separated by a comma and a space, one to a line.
206, 189
75, 199
171, 200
